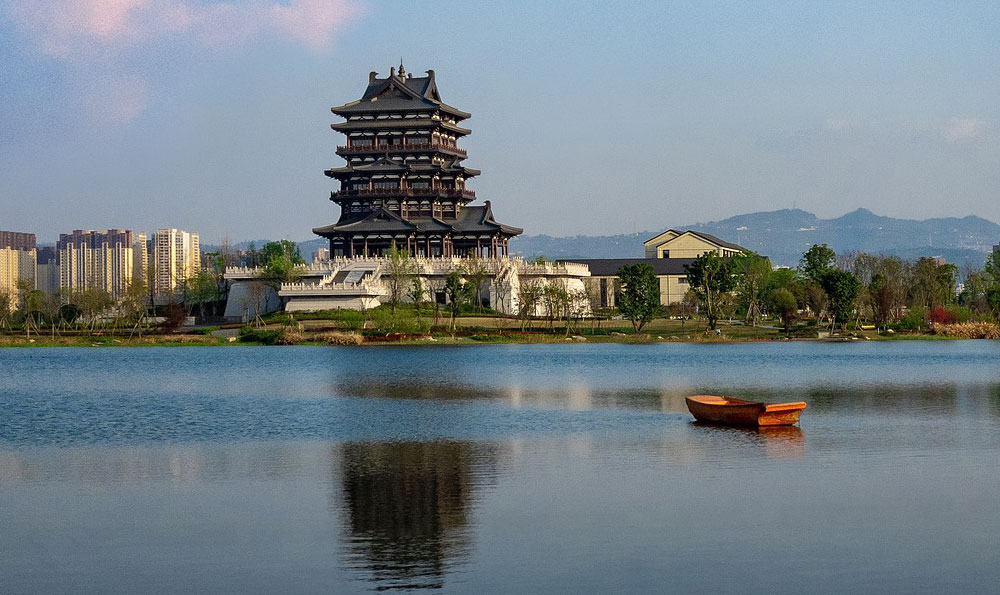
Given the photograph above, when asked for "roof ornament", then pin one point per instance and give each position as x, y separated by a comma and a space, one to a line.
402, 71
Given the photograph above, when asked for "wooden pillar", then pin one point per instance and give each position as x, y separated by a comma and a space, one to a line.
351, 249
366, 246
427, 244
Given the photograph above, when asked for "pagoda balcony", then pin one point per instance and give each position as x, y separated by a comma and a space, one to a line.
403, 148
406, 192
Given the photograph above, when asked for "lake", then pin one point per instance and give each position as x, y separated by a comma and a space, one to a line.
498, 469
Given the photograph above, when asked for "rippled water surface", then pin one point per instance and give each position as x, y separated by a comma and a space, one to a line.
498, 469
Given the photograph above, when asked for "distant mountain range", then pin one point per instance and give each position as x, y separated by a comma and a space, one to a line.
782, 235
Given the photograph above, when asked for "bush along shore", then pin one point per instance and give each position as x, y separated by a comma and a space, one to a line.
411, 325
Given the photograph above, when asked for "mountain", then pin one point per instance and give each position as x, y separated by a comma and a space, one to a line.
784, 235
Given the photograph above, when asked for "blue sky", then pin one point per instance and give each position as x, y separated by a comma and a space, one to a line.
588, 118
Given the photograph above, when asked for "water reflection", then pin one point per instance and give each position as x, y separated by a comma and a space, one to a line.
578, 397
777, 442
408, 508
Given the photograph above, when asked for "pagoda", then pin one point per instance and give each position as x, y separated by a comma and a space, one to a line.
404, 182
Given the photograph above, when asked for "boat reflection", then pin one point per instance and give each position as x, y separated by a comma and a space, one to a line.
774, 442
408, 508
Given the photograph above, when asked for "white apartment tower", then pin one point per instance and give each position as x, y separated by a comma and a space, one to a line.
176, 257
96, 259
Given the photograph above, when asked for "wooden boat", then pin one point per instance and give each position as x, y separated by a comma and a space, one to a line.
737, 412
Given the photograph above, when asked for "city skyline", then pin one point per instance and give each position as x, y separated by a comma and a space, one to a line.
642, 117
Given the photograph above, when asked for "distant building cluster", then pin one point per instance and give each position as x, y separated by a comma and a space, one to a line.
108, 260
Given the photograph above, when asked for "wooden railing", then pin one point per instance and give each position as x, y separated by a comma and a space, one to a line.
406, 147
408, 192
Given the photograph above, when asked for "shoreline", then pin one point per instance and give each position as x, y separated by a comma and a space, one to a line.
370, 340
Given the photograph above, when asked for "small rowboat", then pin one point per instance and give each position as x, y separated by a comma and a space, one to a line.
737, 412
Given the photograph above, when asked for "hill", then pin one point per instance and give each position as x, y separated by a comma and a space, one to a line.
782, 235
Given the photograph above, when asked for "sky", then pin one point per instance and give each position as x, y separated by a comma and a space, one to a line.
587, 117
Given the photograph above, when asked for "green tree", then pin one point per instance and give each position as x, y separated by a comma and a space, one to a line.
842, 288
639, 297
816, 261
457, 292
783, 303
282, 263
200, 289
710, 276
752, 273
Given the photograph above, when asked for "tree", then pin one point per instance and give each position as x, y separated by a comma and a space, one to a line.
199, 289
784, 304
753, 272
457, 292
6, 308
842, 288
398, 271
556, 301
52, 307
282, 263
710, 276
817, 261
132, 306
933, 283
416, 292
529, 292
639, 300
476, 272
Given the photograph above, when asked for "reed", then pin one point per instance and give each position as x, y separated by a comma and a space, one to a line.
967, 330
341, 338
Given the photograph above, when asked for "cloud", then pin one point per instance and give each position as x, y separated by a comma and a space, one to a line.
963, 130
103, 41
66, 28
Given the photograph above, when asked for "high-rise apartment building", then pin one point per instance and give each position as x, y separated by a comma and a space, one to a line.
176, 257
47, 269
17, 263
96, 259
17, 240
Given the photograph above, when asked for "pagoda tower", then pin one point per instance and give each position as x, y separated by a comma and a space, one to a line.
404, 182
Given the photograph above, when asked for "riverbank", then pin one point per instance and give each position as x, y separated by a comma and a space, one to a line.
467, 331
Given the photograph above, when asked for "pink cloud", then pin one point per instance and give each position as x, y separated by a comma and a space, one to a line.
95, 36
67, 28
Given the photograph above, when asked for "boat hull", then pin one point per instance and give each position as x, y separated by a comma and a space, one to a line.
737, 412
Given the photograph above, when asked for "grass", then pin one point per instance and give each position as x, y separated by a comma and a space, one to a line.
338, 328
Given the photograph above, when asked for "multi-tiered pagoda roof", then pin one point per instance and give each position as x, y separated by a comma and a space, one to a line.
404, 182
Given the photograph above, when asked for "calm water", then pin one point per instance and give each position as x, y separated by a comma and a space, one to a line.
498, 469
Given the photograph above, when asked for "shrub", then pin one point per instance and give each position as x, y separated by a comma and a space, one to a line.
400, 322
940, 315
252, 335
205, 330
914, 319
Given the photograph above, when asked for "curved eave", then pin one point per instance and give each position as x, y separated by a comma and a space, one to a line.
397, 124
454, 111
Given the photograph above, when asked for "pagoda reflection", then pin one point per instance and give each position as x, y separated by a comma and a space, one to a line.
408, 508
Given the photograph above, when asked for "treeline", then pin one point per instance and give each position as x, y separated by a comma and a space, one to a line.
852, 289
